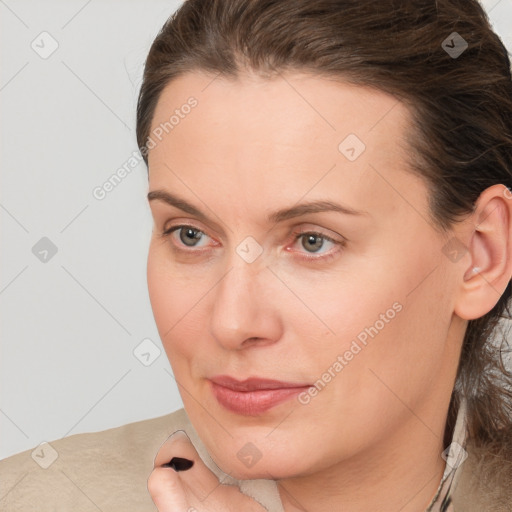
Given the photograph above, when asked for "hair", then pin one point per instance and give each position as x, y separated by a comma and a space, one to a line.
460, 141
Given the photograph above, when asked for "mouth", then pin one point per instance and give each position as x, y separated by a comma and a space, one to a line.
253, 396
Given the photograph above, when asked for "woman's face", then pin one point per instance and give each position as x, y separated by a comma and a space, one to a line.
349, 302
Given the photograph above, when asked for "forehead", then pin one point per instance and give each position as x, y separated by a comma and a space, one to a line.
288, 103
283, 137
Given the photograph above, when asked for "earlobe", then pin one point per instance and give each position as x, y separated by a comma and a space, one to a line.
489, 270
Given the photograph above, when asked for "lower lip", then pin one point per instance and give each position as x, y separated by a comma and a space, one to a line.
253, 403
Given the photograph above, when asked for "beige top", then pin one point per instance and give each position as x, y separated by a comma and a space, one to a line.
107, 471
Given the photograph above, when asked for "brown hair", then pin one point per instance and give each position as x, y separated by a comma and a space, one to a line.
461, 105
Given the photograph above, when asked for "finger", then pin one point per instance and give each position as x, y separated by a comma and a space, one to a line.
166, 490
197, 477
200, 487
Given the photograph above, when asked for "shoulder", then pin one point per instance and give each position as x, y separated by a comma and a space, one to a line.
485, 479
104, 470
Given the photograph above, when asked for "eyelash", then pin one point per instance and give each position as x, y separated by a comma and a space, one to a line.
297, 235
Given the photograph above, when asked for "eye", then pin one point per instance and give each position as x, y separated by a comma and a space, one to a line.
184, 235
313, 242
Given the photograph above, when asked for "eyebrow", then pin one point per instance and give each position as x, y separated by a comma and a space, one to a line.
273, 218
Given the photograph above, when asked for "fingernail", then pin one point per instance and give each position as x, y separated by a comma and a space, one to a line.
179, 464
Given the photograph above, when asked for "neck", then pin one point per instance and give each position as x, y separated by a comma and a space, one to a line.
402, 472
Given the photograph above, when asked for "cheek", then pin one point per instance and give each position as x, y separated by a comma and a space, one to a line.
336, 308
401, 366
381, 331
163, 301
175, 298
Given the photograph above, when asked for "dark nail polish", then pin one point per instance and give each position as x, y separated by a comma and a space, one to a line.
179, 464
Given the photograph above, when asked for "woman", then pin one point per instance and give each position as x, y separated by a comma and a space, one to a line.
331, 256
382, 134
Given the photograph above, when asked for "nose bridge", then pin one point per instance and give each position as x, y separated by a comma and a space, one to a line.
242, 307
240, 279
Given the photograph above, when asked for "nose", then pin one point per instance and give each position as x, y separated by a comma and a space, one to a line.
245, 311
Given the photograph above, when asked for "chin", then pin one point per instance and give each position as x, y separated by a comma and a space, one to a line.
260, 471
249, 463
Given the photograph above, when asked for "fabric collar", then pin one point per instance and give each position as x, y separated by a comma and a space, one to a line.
454, 456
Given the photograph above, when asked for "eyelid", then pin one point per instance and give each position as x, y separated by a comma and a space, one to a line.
167, 232
324, 232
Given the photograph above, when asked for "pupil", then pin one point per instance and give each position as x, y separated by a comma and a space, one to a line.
190, 236
311, 239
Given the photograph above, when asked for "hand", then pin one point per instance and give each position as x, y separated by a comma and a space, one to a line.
196, 489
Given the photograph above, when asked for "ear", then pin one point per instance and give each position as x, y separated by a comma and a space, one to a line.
489, 271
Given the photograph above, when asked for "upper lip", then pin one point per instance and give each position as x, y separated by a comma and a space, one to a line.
254, 383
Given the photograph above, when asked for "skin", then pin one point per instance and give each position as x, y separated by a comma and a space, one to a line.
372, 438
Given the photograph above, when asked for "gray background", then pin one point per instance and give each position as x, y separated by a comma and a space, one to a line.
72, 320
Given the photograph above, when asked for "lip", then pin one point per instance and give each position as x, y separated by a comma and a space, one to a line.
253, 396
